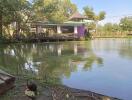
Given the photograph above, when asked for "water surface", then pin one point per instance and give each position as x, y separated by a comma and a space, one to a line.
101, 65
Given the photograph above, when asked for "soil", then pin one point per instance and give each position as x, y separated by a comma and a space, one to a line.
53, 92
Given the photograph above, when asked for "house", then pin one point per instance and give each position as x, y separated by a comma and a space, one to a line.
75, 26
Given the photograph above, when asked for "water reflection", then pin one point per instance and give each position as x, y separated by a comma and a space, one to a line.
126, 49
100, 65
122, 47
47, 61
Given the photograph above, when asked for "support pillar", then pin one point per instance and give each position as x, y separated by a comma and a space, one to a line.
59, 29
75, 30
36, 29
39, 29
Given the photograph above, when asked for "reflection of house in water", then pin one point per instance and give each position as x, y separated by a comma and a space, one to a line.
75, 49
59, 49
75, 27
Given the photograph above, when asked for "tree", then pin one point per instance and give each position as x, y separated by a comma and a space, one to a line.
101, 15
43, 9
91, 26
108, 27
55, 11
65, 9
12, 11
21, 12
116, 28
126, 24
89, 12
1, 23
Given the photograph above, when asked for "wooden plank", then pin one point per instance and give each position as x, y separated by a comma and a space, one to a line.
1, 81
6, 81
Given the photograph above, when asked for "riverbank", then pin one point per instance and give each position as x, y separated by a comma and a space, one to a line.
39, 39
52, 92
112, 37
57, 38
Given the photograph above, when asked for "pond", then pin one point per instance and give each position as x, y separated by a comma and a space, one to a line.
101, 65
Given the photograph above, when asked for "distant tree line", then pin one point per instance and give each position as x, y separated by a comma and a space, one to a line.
123, 28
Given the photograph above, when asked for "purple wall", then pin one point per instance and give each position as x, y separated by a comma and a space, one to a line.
81, 30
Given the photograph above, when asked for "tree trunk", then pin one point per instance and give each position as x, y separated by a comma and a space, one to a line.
96, 28
18, 27
0, 24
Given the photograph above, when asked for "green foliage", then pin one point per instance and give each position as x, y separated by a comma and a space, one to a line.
108, 27
43, 9
91, 26
120, 30
126, 24
89, 12
42, 62
101, 15
53, 10
116, 28
15, 14
13, 11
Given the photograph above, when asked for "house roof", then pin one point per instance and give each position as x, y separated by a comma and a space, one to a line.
68, 23
77, 15
73, 23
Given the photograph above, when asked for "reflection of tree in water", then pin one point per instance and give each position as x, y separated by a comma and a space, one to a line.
91, 60
43, 61
54, 68
125, 50
12, 59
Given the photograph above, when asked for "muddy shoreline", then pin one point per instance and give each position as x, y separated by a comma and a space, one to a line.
48, 91
52, 92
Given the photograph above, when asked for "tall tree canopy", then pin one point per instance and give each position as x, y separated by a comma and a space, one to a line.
126, 23
22, 11
89, 12
12, 11
54, 10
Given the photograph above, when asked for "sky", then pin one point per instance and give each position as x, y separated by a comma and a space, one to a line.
115, 9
